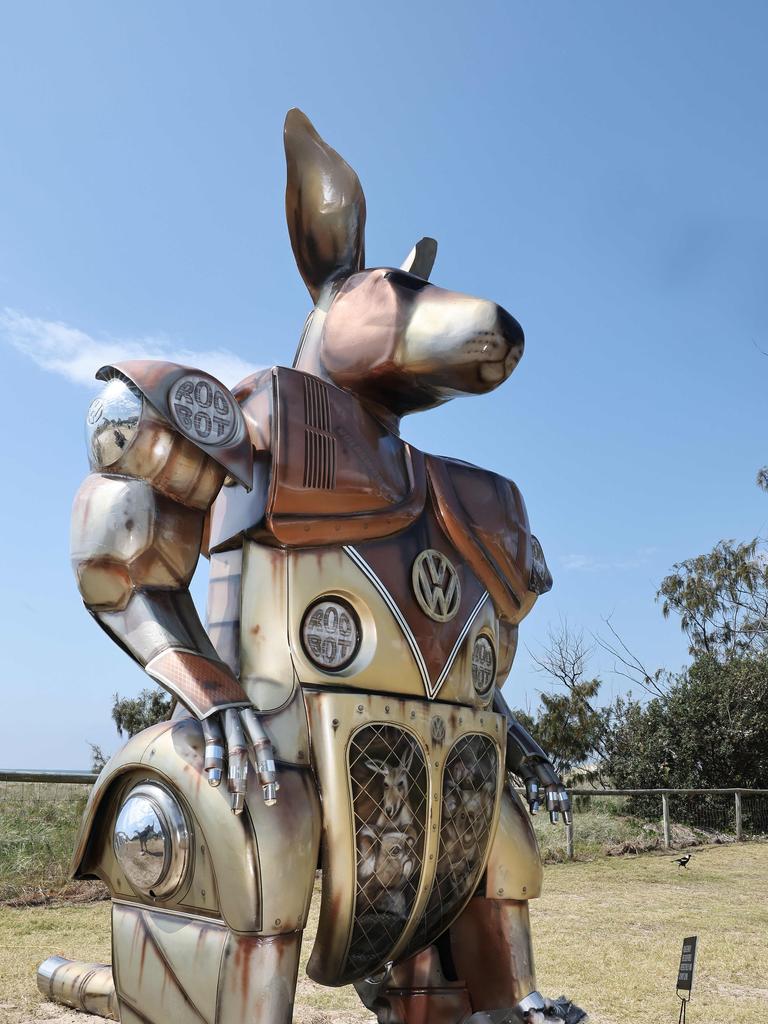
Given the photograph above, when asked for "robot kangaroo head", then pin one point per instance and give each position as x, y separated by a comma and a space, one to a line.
387, 335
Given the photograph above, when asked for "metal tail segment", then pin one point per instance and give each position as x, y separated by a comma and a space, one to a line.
82, 986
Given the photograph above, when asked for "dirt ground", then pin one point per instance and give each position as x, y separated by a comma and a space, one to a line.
607, 933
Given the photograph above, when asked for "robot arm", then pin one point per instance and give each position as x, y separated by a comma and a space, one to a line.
137, 529
526, 759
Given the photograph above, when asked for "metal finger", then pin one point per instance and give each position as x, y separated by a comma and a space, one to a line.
237, 758
213, 763
553, 803
264, 755
565, 806
532, 792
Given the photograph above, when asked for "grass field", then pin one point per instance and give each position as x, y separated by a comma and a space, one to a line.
38, 824
608, 933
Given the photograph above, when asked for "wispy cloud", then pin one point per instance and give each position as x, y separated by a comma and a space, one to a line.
588, 563
73, 354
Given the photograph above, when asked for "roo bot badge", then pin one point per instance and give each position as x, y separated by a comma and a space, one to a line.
307, 733
203, 410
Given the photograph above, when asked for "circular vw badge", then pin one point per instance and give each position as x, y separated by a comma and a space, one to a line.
204, 411
436, 585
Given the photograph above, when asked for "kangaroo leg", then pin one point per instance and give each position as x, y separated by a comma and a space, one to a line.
491, 949
481, 970
185, 970
208, 912
419, 990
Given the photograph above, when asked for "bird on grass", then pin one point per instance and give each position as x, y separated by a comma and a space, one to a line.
683, 861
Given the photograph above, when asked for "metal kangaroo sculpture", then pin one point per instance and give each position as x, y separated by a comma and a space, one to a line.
342, 709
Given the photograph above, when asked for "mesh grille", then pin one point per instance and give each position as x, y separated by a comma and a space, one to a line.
469, 790
389, 796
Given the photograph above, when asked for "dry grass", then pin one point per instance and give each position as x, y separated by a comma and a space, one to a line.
608, 933
38, 825
616, 926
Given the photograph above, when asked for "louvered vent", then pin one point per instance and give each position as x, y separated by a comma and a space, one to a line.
319, 442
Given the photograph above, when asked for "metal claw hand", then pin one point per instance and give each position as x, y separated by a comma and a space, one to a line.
227, 747
542, 784
526, 759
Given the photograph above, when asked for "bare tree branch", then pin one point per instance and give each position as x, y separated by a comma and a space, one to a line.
631, 667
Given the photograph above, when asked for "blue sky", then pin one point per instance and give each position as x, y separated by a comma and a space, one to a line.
599, 169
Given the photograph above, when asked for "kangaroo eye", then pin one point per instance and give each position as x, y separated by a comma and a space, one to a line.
402, 280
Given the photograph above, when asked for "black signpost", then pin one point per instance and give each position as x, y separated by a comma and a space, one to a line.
685, 975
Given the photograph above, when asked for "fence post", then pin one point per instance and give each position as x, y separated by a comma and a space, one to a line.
737, 803
569, 839
665, 819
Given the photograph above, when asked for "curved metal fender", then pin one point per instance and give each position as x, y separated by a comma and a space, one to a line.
514, 870
254, 871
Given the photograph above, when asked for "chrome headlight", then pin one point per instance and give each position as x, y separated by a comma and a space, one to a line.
331, 634
152, 840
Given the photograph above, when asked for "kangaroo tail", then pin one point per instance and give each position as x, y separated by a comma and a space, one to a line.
83, 986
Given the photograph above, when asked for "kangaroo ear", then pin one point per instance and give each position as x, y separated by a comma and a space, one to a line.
376, 766
421, 258
325, 207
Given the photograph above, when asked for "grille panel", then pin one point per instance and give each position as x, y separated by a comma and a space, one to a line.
389, 796
468, 801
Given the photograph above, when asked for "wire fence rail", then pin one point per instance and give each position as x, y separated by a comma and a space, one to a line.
681, 815
601, 817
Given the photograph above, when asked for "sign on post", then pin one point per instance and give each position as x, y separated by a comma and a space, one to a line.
685, 973
687, 960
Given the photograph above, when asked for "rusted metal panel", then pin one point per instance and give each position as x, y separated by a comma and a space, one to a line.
514, 868
491, 948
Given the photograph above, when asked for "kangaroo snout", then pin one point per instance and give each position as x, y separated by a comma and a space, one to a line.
459, 344
503, 347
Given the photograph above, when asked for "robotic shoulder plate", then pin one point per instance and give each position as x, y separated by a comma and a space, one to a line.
485, 516
192, 402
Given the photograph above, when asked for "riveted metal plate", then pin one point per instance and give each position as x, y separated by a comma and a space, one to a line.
411, 792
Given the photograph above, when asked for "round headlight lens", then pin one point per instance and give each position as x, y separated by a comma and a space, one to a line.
483, 665
151, 840
330, 633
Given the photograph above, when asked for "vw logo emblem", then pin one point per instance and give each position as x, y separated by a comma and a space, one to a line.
436, 585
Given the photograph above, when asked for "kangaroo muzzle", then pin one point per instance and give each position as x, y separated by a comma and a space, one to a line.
461, 344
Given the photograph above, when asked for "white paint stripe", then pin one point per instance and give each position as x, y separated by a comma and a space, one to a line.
459, 641
361, 563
